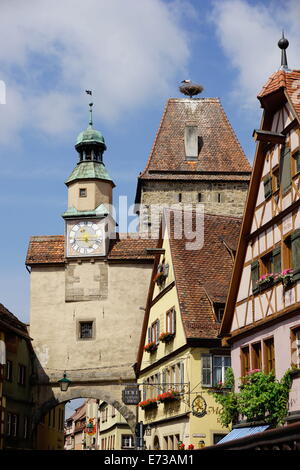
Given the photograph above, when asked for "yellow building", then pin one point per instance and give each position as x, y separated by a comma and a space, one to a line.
50, 431
180, 359
114, 433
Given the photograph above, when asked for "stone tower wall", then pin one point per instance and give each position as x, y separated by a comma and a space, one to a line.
221, 198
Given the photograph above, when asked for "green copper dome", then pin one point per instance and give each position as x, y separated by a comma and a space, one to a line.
90, 135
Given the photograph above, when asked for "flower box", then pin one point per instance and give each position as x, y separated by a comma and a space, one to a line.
170, 395
265, 281
286, 277
151, 347
166, 337
148, 404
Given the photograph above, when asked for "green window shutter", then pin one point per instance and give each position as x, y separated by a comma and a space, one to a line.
297, 158
268, 186
255, 276
295, 245
285, 169
276, 260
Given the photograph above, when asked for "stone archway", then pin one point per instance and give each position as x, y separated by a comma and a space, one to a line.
49, 397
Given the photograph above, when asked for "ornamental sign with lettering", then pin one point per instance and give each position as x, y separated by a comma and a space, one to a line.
131, 396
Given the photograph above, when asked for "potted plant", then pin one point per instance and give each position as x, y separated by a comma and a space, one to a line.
150, 347
166, 337
286, 277
149, 403
266, 280
168, 396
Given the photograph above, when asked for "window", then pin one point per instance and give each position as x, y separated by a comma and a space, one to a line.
267, 186
296, 157
153, 332
179, 197
245, 361
267, 264
218, 197
256, 358
171, 321
217, 438
200, 197
255, 276
127, 441
14, 425
214, 368
219, 309
295, 346
82, 192
191, 142
275, 179
25, 427
269, 365
285, 169
8, 424
86, 330
9, 371
295, 254
220, 365
21, 374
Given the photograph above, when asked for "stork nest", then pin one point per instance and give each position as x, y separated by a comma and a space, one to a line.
191, 89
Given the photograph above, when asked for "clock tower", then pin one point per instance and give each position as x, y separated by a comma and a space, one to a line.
89, 223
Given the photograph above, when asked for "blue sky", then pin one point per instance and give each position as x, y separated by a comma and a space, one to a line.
133, 55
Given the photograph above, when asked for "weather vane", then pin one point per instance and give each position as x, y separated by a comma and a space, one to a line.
89, 92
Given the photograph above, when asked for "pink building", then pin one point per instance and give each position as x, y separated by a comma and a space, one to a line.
262, 316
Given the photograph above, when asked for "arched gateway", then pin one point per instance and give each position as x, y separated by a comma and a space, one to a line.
88, 291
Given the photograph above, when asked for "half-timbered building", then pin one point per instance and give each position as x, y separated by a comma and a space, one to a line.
262, 316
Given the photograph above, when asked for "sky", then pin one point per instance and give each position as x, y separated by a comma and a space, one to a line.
133, 54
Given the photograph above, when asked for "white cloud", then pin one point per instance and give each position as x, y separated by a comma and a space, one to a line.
248, 34
126, 51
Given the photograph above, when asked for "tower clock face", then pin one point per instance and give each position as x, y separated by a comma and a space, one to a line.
85, 238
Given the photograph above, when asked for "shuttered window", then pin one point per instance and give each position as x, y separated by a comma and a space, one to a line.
297, 161
295, 245
255, 276
276, 260
285, 169
268, 186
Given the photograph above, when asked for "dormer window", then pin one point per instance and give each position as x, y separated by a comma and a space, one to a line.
191, 142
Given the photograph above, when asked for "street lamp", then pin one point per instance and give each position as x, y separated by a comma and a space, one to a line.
64, 383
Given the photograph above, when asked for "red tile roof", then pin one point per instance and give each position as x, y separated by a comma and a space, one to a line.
220, 151
50, 249
203, 276
286, 80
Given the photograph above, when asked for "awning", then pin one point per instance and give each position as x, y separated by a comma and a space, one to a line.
238, 433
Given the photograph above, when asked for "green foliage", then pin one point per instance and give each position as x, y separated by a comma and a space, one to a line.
261, 397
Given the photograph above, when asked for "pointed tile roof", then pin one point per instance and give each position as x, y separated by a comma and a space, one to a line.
285, 86
202, 276
287, 81
220, 152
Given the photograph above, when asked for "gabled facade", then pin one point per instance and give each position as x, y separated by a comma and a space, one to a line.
262, 317
195, 158
114, 432
17, 401
180, 357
